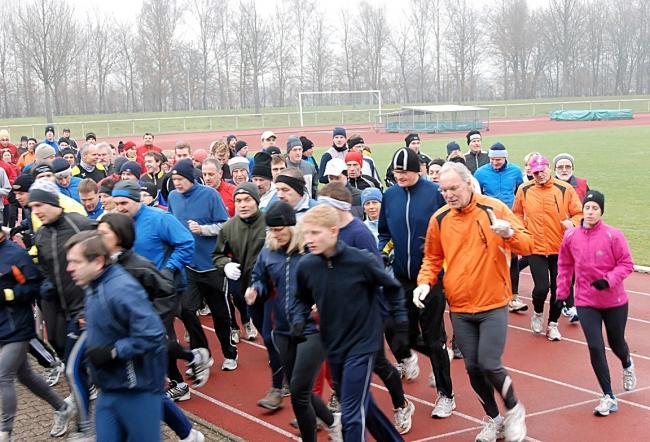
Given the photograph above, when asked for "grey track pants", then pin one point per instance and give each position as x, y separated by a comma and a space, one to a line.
14, 364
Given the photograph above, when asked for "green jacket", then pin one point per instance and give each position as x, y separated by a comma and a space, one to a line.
240, 241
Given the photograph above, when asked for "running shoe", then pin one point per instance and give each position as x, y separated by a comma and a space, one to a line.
410, 367
629, 377
335, 431
178, 391
515, 305
273, 399
537, 323
552, 332
251, 331
492, 430
200, 367
190, 373
92, 392
54, 374
286, 390
334, 405
62, 418
444, 407
514, 424
205, 311
5, 436
235, 336
229, 364
194, 436
606, 405
404, 417
81, 436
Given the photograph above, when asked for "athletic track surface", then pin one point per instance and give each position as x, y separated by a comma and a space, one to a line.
554, 380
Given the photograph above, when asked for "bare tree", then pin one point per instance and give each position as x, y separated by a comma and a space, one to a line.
158, 20
400, 44
224, 55
375, 34
351, 50
5, 60
206, 12
320, 54
565, 19
104, 47
463, 40
48, 51
255, 45
282, 45
303, 11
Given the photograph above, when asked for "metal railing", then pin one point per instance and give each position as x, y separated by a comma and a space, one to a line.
234, 122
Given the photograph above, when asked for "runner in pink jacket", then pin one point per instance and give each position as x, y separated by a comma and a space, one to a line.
600, 258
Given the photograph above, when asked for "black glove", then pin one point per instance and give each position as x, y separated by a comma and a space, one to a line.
600, 284
18, 229
388, 259
101, 356
400, 341
48, 291
296, 330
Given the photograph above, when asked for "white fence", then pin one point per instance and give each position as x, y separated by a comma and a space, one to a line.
235, 122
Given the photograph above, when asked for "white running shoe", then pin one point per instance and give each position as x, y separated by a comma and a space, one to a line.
234, 336
404, 417
629, 377
335, 431
515, 305
200, 367
444, 407
492, 430
194, 436
552, 332
537, 323
410, 367
514, 424
62, 419
606, 405
251, 331
205, 311
178, 391
54, 373
229, 364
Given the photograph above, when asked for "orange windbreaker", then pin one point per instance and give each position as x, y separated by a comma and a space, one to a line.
542, 208
477, 277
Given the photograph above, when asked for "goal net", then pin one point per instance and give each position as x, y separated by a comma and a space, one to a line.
338, 107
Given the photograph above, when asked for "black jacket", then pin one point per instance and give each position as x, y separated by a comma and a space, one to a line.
475, 160
50, 240
345, 289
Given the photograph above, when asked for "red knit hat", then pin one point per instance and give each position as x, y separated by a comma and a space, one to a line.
354, 156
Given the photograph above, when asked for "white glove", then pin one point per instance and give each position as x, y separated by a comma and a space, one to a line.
420, 293
232, 271
500, 227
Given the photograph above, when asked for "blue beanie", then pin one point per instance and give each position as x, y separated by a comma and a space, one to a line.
370, 194
184, 168
339, 131
132, 167
452, 146
498, 150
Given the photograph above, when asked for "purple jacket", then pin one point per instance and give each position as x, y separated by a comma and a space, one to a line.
599, 252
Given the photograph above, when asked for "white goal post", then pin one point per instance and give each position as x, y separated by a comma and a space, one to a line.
374, 94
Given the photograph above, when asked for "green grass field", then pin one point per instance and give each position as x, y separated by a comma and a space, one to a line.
613, 160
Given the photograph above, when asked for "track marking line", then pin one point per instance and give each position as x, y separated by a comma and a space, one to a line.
451, 433
245, 415
627, 290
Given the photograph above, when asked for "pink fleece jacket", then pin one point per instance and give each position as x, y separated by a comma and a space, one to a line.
599, 252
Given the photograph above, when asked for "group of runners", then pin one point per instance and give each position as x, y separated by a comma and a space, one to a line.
113, 248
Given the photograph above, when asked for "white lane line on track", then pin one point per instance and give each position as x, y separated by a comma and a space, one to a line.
245, 415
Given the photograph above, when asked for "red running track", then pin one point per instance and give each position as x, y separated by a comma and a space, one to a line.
553, 379
322, 136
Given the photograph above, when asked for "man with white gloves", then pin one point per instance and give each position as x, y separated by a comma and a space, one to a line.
476, 235
239, 242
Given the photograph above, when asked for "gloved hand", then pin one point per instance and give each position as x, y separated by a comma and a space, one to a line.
296, 331
420, 293
101, 356
232, 271
6, 296
250, 296
600, 284
388, 259
400, 341
500, 227
18, 229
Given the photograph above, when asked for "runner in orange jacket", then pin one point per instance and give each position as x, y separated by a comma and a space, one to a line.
475, 235
547, 206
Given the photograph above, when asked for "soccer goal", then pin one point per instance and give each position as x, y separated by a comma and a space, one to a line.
339, 107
